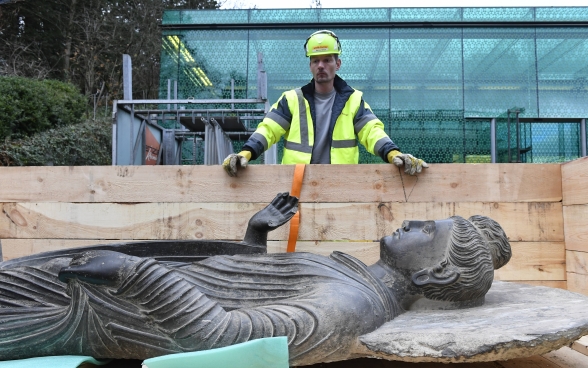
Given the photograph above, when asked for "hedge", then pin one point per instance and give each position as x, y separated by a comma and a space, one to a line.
87, 143
29, 106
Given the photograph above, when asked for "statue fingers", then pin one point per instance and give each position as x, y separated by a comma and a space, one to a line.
280, 199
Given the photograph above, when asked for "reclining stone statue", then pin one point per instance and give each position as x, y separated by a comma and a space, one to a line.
113, 305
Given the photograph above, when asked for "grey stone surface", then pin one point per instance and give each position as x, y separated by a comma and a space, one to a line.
516, 320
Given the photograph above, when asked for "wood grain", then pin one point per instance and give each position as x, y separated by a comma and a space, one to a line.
578, 283
576, 227
260, 183
574, 175
577, 262
581, 345
534, 261
319, 221
548, 283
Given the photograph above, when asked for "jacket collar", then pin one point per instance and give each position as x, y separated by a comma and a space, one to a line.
341, 87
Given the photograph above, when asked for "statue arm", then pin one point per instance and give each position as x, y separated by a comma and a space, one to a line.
274, 215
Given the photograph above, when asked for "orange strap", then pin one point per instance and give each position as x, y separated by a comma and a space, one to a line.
295, 221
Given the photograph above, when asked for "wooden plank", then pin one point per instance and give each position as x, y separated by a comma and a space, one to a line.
581, 345
578, 283
121, 221
535, 263
577, 271
577, 262
319, 221
532, 221
548, 283
574, 175
260, 183
536, 361
566, 357
576, 227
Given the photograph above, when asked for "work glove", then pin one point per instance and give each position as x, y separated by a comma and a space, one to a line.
412, 165
234, 160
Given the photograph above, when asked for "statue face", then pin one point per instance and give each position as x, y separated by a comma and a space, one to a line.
417, 244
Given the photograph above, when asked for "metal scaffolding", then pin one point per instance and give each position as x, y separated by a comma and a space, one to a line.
158, 128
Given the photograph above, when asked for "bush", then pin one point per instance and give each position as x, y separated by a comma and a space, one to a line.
29, 106
87, 143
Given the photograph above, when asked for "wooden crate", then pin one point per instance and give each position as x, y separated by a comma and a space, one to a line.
343, 207
575, 213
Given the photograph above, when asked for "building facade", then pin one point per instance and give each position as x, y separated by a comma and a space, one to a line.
450, 84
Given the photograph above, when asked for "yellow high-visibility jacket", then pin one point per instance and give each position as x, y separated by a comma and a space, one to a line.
292, 116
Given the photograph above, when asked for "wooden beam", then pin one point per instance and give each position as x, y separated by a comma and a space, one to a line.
574, 175
534, 261
576, 227
577, 262
548, 283
578, 283
581, 345
260, 183
577, 271
319, 221
566, 357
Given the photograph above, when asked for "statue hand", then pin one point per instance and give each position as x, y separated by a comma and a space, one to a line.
412, 165
100, 267
275, 214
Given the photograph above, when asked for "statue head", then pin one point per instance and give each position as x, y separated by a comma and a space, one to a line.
448, 260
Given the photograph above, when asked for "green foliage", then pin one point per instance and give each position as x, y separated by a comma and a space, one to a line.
28, 106
87, 143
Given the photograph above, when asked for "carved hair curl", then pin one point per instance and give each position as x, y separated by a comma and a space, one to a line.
476, 248
496, 238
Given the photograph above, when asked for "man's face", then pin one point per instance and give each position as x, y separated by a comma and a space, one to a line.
324, 68
417, 245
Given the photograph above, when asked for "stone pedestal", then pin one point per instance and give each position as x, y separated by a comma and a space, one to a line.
516, 320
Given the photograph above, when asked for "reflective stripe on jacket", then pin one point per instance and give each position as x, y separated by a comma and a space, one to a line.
351, 119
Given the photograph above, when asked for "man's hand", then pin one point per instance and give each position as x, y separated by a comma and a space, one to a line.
234, 160
412, 165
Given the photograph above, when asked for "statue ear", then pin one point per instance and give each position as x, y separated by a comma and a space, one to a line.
438, 275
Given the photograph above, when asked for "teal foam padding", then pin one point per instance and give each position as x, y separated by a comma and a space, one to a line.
262, 353
62, 361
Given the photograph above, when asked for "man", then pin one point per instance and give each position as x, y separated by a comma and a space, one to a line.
320, 121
